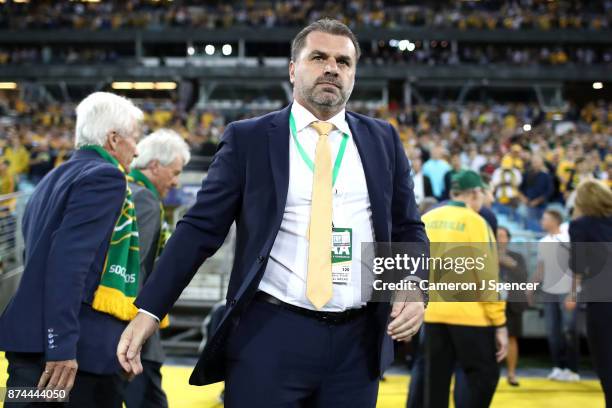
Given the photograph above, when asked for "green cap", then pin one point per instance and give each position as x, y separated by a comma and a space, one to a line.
466, 180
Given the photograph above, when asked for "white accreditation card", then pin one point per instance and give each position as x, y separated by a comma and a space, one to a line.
342, 254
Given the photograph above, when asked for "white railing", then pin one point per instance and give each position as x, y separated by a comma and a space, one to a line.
12, 207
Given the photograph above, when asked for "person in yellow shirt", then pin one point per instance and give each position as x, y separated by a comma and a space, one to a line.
18, 157
566, 167
470, 335
8, 185
513, 159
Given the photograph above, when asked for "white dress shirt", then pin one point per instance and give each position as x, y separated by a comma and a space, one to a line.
285, 274
419, 187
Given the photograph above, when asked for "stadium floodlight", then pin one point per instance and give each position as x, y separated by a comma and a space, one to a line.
209, 49
597, 85
411, 47
190, 50
8, 85
393, 43
21, 1
526, 127
403, 45
122, 85
158, 86
144, 85
227, 49
165, 85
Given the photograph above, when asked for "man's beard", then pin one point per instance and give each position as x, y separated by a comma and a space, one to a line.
326, 100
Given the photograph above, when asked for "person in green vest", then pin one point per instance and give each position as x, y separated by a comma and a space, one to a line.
161, 158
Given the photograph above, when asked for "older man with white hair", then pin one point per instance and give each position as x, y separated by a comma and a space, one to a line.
161, 158
61, 328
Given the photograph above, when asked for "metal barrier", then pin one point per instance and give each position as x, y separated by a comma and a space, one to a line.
12, 207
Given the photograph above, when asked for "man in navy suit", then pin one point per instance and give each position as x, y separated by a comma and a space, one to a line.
296, 330
52, 336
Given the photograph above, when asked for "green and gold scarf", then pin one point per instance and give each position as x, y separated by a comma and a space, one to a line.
119, 282
136, 176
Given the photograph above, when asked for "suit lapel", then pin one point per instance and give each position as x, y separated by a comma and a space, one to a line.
371, 154
369, 151
278, 142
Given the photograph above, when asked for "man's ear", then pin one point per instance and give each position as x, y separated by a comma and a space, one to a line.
154, 166
112, 139
292, 72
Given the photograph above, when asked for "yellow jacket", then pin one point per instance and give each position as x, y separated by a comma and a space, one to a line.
8, 185
19, 159
456, 223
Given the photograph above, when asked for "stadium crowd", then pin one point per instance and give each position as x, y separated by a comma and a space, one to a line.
514, 15
531, 158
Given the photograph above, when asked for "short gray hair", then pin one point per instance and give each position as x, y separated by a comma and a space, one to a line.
101, 113
163, 145
324, 25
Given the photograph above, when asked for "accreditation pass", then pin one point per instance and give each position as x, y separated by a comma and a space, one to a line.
342, 254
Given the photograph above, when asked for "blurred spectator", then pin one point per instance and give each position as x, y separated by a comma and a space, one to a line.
505, 182
41, 161
512, 269
474, 160
486, 211
513, 159
8, 181
535, 190
436, 168
422, 184
556, 283
456, 166
593, 225
582, 170
17, 156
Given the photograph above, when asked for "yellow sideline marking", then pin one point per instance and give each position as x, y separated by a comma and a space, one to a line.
533, 392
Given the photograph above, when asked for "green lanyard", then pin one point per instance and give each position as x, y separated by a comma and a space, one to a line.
307, 160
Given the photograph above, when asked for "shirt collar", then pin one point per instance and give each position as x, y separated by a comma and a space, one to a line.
454, 203
303, 118
139, 177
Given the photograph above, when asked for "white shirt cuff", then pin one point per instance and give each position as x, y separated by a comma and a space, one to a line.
148, 313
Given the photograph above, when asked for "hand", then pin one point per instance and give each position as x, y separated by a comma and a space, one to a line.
569, 303
134, 336
501, 343
58, 375
507, 261
407, 317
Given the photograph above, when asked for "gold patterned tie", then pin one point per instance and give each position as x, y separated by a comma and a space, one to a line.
319, 280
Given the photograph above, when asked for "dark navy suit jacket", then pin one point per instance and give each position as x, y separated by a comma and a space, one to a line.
248, 182
67, 226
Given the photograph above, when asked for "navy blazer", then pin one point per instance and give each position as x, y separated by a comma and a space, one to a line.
248, 182
67, 226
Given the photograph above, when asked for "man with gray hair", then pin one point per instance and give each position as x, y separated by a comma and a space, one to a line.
161, 158
60, 329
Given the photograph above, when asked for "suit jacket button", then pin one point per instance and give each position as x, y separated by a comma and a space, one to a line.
261, 259
233, 302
